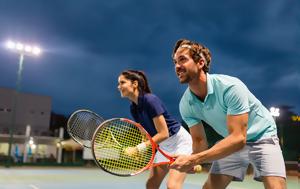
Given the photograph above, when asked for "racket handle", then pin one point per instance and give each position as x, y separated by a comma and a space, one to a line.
171, 160
198, 169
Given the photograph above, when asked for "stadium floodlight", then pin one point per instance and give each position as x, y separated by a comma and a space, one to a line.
274, 111
23, 50
28, 48
10, 45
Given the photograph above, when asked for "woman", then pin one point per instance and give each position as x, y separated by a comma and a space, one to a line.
148, 110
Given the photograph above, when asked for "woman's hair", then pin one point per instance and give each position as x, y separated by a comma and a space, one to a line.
195, 51
140, 77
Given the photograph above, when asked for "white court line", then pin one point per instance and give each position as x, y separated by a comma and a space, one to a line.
33, 186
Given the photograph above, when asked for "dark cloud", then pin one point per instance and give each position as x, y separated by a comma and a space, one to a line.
87, 44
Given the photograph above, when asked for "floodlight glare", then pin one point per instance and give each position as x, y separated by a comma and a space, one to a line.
28, 48
24, 49
19, 46
36, 50
274, 111
10, 44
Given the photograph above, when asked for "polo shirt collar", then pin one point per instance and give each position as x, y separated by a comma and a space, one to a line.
140, 102
210, 90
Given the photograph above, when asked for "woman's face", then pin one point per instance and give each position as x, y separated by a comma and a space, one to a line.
126, 86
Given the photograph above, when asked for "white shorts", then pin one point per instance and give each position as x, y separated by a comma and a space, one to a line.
180, 143
265, 156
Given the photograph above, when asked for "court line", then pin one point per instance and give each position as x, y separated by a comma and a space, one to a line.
33, 186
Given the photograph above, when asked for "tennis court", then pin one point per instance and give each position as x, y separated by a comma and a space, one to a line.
90, 178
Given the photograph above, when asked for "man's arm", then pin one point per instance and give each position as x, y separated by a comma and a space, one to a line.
199, 138
236, 140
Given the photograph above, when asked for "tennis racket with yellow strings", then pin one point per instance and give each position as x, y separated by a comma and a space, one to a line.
113, 143
81, 126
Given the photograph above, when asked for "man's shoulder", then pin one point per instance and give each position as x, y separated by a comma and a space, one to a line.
223, 77
225, 80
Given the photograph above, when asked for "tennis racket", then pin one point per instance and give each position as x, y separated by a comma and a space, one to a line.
82, 125
113, 137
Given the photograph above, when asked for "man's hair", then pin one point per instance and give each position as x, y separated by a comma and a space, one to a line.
196, 51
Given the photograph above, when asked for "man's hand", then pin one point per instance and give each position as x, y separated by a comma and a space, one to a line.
183, 163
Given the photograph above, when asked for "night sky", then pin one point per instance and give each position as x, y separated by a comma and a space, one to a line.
86, 44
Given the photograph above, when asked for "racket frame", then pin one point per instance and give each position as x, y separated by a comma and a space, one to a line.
154, 147
74, 137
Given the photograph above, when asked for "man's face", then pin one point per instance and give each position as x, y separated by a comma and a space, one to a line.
185, 67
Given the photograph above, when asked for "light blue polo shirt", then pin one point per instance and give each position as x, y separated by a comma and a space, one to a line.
227, 95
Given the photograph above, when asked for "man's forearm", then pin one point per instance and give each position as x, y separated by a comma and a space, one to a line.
222, 149
199, 146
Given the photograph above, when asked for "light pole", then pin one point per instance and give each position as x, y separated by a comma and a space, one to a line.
275, 113
22, 50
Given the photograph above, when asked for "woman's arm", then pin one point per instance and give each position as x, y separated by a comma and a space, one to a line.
161, 128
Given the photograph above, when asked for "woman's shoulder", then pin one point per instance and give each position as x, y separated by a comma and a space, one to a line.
151, 98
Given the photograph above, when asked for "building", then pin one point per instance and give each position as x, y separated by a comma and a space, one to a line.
30, 126
31, 109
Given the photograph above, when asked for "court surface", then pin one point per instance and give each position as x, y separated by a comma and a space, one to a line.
93, 178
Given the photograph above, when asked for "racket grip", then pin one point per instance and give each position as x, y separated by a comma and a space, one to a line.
171, 160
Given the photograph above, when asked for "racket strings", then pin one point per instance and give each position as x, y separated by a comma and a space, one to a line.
110, 142
82, 126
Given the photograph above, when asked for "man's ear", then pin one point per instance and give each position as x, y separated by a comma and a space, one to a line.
201, 63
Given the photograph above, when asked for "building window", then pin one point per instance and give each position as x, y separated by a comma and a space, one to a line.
5, 110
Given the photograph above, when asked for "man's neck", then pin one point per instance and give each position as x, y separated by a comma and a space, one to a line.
199, 86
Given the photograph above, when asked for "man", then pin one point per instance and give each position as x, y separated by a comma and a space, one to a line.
226, 104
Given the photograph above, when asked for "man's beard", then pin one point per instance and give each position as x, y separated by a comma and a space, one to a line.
185, 80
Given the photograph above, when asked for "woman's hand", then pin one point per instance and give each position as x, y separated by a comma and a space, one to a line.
131, 151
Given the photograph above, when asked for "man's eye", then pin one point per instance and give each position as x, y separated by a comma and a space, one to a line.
181, 60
